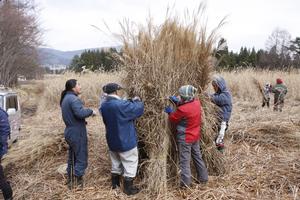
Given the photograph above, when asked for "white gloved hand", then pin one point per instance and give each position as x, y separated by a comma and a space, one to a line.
94, 113
220, 137
136, 98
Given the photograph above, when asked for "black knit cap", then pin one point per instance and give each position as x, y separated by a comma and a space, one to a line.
111, 87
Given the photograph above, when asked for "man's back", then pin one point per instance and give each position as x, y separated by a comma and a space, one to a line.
118, 116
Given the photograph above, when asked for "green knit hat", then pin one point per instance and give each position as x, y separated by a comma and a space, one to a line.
187, 92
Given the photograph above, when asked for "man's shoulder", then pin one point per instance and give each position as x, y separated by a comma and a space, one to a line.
112, 102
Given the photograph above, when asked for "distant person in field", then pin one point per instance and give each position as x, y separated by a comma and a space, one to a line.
279, 90
223, 99
118, 116
4, 134
267, 89
187, 118
74, 114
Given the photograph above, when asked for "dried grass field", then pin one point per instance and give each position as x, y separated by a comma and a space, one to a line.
262, 158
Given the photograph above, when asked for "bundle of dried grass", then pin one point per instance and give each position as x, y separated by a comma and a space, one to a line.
279, 135
158, 60
259, 87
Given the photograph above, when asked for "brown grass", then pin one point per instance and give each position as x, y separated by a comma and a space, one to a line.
262, 154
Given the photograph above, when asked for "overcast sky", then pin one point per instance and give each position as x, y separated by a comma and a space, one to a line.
67, 23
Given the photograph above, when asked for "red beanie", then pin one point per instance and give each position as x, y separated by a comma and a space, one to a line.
279, 81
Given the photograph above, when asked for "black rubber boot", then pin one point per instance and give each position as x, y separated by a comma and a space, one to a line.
129, 189
5, 185
115, 180
70, 182
7, 191
79, 182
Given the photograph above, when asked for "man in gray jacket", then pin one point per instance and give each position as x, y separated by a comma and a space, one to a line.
74, 115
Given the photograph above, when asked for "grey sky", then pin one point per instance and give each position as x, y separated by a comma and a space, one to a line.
67, 23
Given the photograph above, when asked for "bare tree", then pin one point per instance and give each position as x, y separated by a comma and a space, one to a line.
280, 40
277, 46
19, 38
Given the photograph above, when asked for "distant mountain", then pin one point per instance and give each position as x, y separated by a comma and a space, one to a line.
48, 56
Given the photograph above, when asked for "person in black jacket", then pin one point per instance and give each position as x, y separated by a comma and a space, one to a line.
74, 114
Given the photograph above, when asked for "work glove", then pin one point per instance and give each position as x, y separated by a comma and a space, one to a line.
168, 110
136, 98
220, 137
174, 99
94, 113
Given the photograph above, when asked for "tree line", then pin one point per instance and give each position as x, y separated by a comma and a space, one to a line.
281, 53
100, 60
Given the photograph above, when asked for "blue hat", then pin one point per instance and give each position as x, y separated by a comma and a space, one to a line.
111, 87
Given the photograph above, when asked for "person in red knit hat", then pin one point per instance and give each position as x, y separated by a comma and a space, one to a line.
280, 91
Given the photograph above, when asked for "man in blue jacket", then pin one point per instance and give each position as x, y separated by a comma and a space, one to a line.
74, 114
223, 99
118, 116
4, 134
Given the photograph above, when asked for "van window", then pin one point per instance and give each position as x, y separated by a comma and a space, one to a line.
1, 101
11, 102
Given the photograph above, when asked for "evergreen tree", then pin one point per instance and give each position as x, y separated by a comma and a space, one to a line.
96, 60
295, 46
253, 58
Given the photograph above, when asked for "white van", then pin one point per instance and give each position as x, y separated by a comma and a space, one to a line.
9, 102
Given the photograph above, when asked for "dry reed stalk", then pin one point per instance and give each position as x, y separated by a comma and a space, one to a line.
259, 87
158, 60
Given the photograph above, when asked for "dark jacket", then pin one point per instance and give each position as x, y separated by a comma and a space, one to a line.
118, 116
4, 132
74, 114
187, 118
279, 90
222, 98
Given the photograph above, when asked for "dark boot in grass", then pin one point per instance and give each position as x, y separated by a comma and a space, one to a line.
129, 189
79, 182
115, 180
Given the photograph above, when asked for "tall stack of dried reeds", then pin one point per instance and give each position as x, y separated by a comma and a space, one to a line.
259, 87
158, 60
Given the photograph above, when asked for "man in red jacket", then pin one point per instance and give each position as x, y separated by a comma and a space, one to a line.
187, 118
